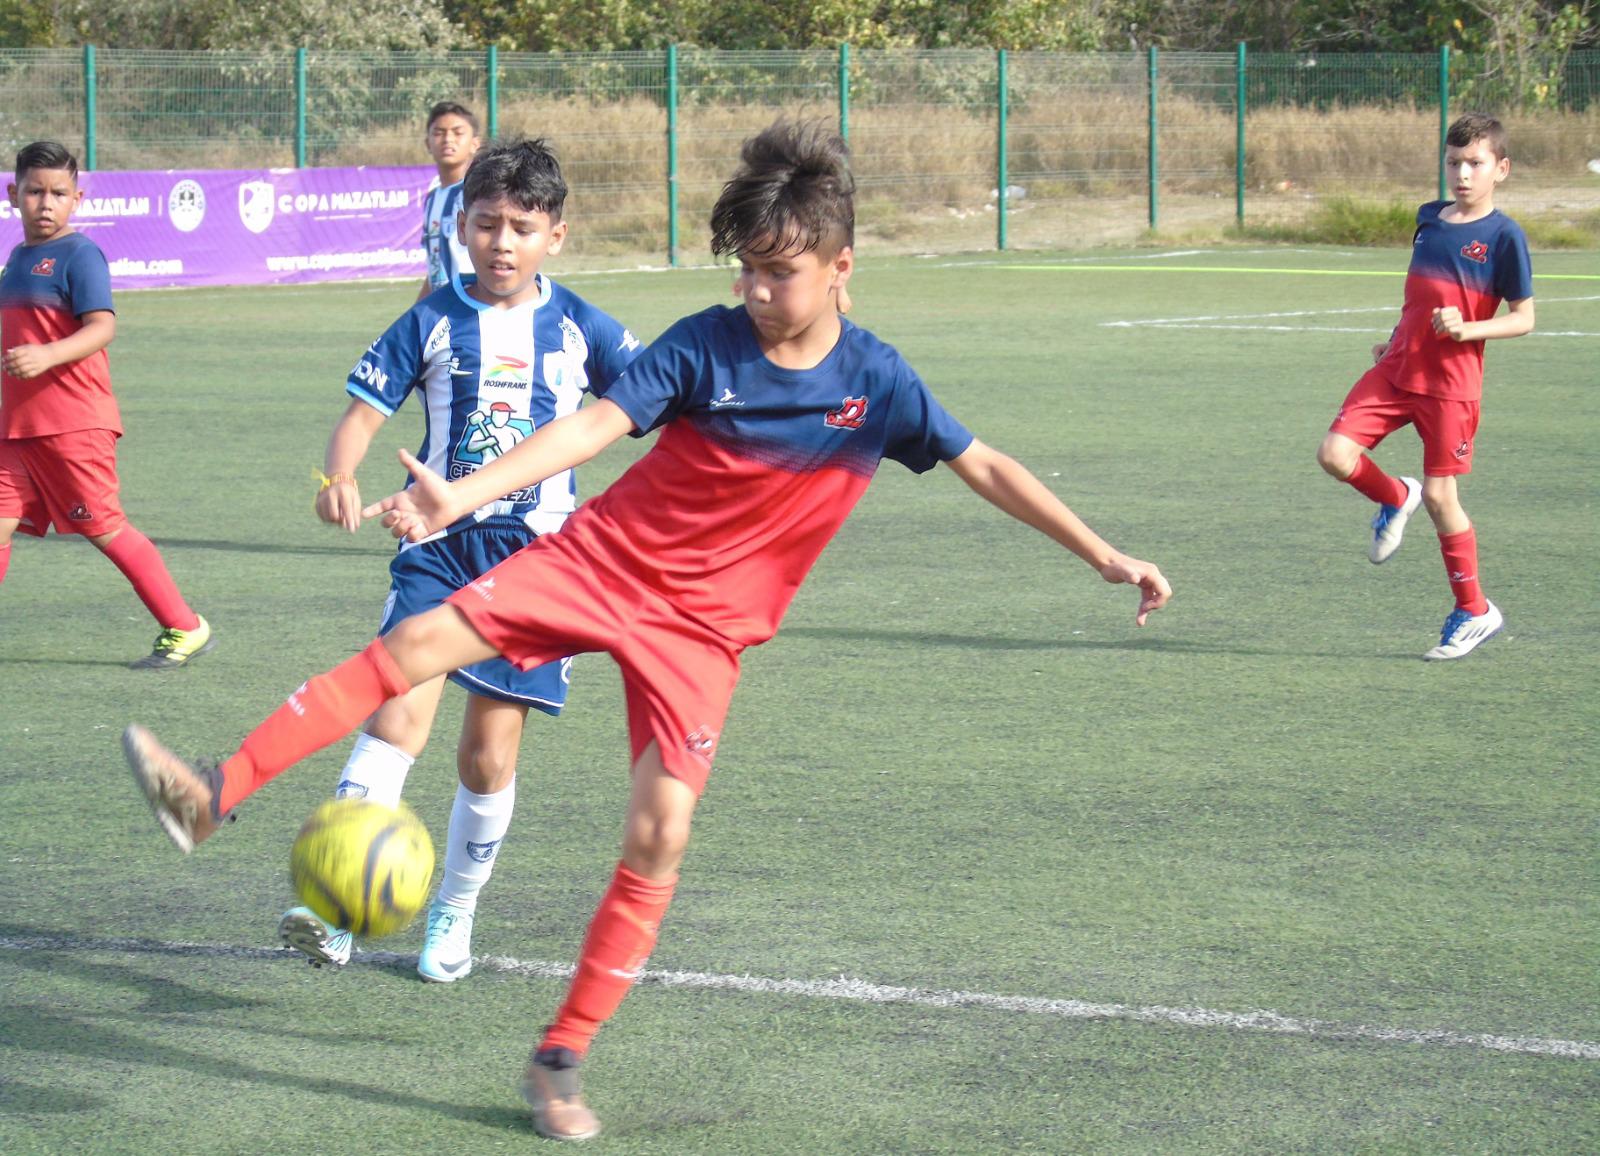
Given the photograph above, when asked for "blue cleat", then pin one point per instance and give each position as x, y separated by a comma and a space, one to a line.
1390, 523
1463, 632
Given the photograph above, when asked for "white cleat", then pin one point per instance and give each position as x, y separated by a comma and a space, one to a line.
447, 946
306, 932
1463, 633
1390, 523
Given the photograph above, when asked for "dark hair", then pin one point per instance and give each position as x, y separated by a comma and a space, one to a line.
1475, 126
46, 154
524, 172
792, 193
451, 108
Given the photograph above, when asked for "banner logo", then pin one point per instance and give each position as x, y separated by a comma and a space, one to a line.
256, 205
186, 205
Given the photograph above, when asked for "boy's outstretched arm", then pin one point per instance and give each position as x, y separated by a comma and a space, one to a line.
1006, 483
339, 501
432, 503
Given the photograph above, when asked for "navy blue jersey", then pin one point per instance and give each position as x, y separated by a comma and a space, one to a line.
757, 466
1472, 266
489, 377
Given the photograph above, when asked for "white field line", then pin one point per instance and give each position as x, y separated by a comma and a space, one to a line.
861, 991
1239, 320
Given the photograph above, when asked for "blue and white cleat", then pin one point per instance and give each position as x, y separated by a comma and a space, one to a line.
1464, 632
447, 947
1390, 523
306, 932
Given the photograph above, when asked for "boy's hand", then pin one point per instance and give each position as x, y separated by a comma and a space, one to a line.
1153, 589
416, 512
1378, 351
27, 360
340, 504
1447, 322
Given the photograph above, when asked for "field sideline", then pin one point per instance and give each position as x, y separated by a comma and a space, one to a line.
982, 868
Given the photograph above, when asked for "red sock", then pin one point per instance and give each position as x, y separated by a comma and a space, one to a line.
5, 560
620, 939
1461, 564
140, 562
324, 710
1370, 480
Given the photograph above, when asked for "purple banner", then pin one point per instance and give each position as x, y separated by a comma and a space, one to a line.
250, 226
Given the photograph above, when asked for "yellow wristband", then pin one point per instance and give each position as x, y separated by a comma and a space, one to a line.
326, 480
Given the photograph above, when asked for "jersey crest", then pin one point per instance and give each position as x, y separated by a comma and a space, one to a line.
850, 415
1476, 251
44, 266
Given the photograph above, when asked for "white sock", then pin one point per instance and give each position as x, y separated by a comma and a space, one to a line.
477, 825
375, 770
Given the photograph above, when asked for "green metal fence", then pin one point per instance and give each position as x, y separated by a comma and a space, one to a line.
955, 149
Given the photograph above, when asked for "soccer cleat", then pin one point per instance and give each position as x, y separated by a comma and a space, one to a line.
302, 929
447, 947
175, 648
183, 796
550, 1086
1463, 632
1390, 523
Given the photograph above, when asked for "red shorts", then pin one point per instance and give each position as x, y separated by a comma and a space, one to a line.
68, 480
1374, 409
559, 596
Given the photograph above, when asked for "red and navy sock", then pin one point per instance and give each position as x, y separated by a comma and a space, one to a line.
140, 562
620, 939
321, 712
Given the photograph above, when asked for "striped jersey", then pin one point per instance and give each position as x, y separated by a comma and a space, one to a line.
757, 467
488, 377
1473, 266
44, 291
447, 256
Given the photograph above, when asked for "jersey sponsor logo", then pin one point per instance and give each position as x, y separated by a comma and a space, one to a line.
488, 435
186, 205
44, 266
850, 415
508, 370
1476, 251
370, 374
256, 205
482, 852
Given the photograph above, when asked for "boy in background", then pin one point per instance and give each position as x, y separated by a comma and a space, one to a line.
452, 140
59, 421
1466, 258
507, 348
773, 419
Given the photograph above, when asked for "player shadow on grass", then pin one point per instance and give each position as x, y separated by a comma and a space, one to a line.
374, 546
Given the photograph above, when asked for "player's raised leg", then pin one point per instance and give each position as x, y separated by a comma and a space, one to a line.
486, 794
1397, 498
620, 939
189, 801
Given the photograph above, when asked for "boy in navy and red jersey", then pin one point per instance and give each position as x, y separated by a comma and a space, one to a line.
773, 418
59, 422
1466, 258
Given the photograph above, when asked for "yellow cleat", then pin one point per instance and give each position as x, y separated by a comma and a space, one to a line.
174, 648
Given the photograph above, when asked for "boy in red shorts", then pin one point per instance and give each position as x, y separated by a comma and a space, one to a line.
1466, 258
773, 418
59, 422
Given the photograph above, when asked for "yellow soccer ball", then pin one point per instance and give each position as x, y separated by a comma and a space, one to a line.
362, 866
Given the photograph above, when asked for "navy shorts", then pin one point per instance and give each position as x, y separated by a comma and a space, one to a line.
424, 576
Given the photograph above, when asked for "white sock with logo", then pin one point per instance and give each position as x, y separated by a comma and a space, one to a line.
375, 770
478, 823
